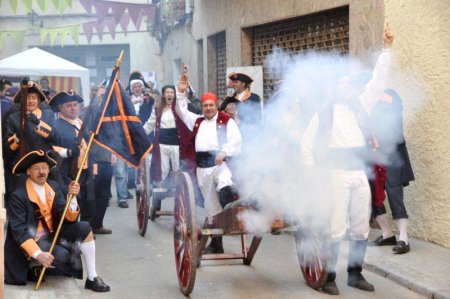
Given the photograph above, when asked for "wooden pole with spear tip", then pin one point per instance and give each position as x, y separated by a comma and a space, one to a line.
91, 139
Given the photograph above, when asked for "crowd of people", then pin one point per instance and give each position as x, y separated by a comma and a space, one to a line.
45, 139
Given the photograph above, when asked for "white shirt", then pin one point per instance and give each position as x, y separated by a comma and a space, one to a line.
167, 121
206, 139
345, 131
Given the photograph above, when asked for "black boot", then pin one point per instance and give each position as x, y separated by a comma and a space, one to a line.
226, 195
355, 260
215, 246
330, 286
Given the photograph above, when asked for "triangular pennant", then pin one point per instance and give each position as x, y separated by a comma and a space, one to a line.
118, 9
111, 24
28, 5
88, 29
150, 12
43, 33
13, 4
53, 34
135, 13
43, 5
124, 22
87, 4
102, 9
75, 33
3, 36
100, 27
18, 35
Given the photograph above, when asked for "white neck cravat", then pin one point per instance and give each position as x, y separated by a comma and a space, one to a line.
40, 191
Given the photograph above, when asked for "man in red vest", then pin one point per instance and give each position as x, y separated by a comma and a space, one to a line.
215, 138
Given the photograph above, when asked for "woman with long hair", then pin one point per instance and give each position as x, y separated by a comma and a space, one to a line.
171, 136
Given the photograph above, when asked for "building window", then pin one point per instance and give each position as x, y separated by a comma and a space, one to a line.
324, 31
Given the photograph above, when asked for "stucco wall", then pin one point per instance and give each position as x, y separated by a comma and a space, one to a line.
422, 51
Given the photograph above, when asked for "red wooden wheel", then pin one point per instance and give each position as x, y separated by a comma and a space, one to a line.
312, 252
143, 192
185, 234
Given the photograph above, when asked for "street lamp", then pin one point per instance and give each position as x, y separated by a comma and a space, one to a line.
33, 18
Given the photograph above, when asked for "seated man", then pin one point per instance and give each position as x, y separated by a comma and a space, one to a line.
35, 210
215, 138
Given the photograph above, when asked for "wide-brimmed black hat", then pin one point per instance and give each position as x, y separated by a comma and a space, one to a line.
136, 75
227, 101
240, 77
31, 87
32, 158
64, 97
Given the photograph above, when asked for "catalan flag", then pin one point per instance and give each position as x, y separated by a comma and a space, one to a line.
117, 127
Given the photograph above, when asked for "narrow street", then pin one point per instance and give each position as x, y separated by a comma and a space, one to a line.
144, 267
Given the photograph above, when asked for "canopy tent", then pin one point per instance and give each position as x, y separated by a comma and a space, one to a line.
37, 62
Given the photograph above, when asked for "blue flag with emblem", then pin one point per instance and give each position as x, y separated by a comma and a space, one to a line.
117, 127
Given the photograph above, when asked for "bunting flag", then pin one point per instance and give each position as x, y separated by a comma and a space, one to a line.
117, 127
135, 11
62, 83
72, 30
17, 35
60, 5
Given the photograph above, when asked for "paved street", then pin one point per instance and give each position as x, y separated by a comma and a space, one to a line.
137, 267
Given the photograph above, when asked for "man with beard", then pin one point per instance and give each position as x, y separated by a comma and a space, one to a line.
36, 208
215, 138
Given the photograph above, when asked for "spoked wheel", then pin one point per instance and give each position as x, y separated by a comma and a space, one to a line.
142, 198
185, 234
312, 252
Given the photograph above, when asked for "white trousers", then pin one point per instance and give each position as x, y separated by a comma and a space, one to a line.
169, 154
210, 181
352, 204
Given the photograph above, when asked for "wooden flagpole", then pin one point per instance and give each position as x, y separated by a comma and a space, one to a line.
91, 139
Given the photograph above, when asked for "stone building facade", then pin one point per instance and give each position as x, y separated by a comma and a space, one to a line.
225, 34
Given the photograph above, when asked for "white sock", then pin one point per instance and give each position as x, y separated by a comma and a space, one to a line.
88, 250
384, 225
402, 225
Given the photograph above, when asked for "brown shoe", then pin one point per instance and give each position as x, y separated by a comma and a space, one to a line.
102, 231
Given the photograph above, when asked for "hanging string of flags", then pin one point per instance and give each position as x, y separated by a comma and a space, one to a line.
109, 14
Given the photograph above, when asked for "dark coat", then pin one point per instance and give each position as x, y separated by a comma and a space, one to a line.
22, 226
392, 141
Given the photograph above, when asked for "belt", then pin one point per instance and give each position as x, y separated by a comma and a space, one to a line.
206, 159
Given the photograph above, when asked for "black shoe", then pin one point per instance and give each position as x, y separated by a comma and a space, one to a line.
102, 231
215, 246
401, 248
330, 288
383, 242
356, 280
96, 285
123, 204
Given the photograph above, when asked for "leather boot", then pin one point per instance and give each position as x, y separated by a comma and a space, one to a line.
226, 195
330, 286
355, 261
215, 246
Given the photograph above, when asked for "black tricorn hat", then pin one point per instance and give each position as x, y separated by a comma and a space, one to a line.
240, 77
32, 158
136, 75
227, 101
32, 87
64, 97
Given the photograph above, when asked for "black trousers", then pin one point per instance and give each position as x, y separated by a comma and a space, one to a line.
396, 203
102, 189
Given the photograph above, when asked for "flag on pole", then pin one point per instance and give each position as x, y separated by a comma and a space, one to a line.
117, 127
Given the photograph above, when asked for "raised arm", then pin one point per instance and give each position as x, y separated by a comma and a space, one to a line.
186, 116
381, 72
